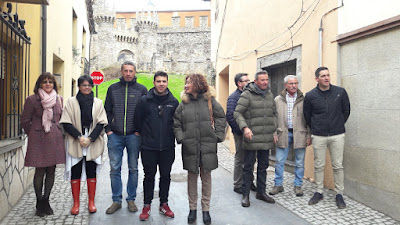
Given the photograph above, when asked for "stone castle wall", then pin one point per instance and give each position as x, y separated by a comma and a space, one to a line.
172, 49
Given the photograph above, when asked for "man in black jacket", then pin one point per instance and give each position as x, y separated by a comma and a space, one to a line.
241, 80
121, 100
326, 110
154, 122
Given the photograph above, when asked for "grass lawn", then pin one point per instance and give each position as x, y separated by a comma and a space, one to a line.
175, 84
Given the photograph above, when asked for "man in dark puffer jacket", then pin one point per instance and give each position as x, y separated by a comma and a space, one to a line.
326, 110
256, 116
120, 104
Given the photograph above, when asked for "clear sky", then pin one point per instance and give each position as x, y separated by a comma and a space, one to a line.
161, 5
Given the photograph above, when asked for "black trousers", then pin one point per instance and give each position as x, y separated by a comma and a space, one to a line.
262, 165
150, 159
76, 170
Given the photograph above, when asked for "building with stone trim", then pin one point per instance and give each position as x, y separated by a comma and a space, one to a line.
172, 41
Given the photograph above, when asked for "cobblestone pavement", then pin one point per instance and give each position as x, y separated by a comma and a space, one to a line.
325, 212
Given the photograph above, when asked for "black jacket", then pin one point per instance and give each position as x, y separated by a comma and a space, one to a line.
154, 121
230, 109
326, 112
119, 95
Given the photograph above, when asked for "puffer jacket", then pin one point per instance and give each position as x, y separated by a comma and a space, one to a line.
258, 113
192, 127
300, 131
120, 105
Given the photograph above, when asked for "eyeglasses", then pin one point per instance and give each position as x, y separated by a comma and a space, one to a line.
47, 82
160, 110
245, 81
85, 85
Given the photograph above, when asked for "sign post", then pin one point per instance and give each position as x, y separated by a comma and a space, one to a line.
97, 78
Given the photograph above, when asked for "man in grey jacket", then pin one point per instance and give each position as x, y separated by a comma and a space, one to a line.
291, 132
255, 114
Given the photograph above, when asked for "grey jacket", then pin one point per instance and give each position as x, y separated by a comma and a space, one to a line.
300, 131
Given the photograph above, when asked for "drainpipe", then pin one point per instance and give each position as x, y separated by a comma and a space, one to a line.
321, 30
44, 37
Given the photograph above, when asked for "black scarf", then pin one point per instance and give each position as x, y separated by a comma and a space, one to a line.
86, 105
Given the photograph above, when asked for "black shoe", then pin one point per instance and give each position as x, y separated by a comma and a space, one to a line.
46, 207
264, 197
206, 218
316, 198
340, 202
39, 208
246, 200
192, 216
253, 187
238, 190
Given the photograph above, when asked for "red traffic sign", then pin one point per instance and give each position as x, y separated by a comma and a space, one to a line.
97, 77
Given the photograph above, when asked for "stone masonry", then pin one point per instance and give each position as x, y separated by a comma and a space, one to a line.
172, 49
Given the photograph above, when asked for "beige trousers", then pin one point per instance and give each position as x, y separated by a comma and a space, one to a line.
335, 144
205, 189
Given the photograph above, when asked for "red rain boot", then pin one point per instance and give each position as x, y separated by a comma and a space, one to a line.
76, 189
91, 186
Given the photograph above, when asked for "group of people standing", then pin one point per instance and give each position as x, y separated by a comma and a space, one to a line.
147, 122
261, 122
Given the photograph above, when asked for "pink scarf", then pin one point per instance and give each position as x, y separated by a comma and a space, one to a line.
48, 101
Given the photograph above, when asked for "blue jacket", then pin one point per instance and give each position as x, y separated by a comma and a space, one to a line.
154, 121
326, 112
230, 109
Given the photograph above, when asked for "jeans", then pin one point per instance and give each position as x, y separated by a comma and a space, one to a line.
262, 165
335, 144
150, 160
281, 155
116, 145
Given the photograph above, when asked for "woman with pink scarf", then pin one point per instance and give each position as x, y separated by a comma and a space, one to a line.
40, 121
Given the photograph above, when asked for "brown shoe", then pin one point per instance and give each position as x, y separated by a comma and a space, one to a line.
113, 208
132, 206
275, 190
298, 191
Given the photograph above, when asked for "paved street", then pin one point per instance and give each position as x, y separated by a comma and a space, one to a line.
225, 204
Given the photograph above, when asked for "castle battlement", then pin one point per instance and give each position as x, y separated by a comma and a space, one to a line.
104, 19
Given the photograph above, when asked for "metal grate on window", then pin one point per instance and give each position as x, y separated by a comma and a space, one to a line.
14, 68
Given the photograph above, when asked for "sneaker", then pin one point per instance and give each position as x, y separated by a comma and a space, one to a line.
316, 198
166, 211
340, 202
132, 206
298, 191
145, 213
113, 208
275, 190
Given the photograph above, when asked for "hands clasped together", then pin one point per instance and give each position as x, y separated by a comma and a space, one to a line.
84, 141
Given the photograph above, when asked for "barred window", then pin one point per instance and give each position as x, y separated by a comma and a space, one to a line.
14, 69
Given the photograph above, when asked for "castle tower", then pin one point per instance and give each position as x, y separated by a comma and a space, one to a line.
102, 51
147, 22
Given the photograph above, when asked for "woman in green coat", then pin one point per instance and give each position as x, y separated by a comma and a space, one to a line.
199, 130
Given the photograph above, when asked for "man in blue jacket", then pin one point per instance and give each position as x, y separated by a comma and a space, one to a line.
326, 110
241, 80
154, 122
121, 100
